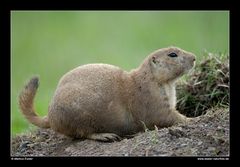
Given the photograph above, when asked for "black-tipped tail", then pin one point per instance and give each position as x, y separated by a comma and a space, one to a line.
26, 99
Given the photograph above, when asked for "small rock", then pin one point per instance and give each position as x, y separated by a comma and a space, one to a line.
164, 155
22, 150
24, 145
193, 151
220, 129
68, 149
31, 145
219, 140
211, 149
173, 154
183, 144
178, 132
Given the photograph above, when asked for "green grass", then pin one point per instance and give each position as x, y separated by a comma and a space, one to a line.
206, 87
51, 43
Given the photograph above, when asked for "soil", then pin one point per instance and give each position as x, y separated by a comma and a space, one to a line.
207, 135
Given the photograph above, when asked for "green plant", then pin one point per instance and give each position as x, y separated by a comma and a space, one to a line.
206, 87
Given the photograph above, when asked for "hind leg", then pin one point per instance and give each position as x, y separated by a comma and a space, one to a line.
106, 137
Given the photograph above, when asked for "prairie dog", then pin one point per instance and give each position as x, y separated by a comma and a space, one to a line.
103, 102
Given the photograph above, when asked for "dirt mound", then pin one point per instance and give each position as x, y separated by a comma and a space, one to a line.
206, 136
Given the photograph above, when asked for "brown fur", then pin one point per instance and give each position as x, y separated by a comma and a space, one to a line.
103, 102
26, 98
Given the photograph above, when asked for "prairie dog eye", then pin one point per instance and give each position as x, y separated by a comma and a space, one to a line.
172, 54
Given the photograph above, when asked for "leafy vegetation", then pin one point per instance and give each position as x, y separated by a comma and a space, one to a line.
206, 87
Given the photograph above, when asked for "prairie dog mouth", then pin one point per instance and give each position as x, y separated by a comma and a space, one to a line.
191, 69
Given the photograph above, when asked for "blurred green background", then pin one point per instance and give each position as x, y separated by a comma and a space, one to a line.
50, 44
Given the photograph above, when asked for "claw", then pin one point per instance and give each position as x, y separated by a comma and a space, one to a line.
106, 137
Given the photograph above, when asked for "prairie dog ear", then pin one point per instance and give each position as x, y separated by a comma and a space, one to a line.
153, 61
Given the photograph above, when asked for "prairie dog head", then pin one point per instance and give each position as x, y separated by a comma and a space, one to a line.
170, 63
